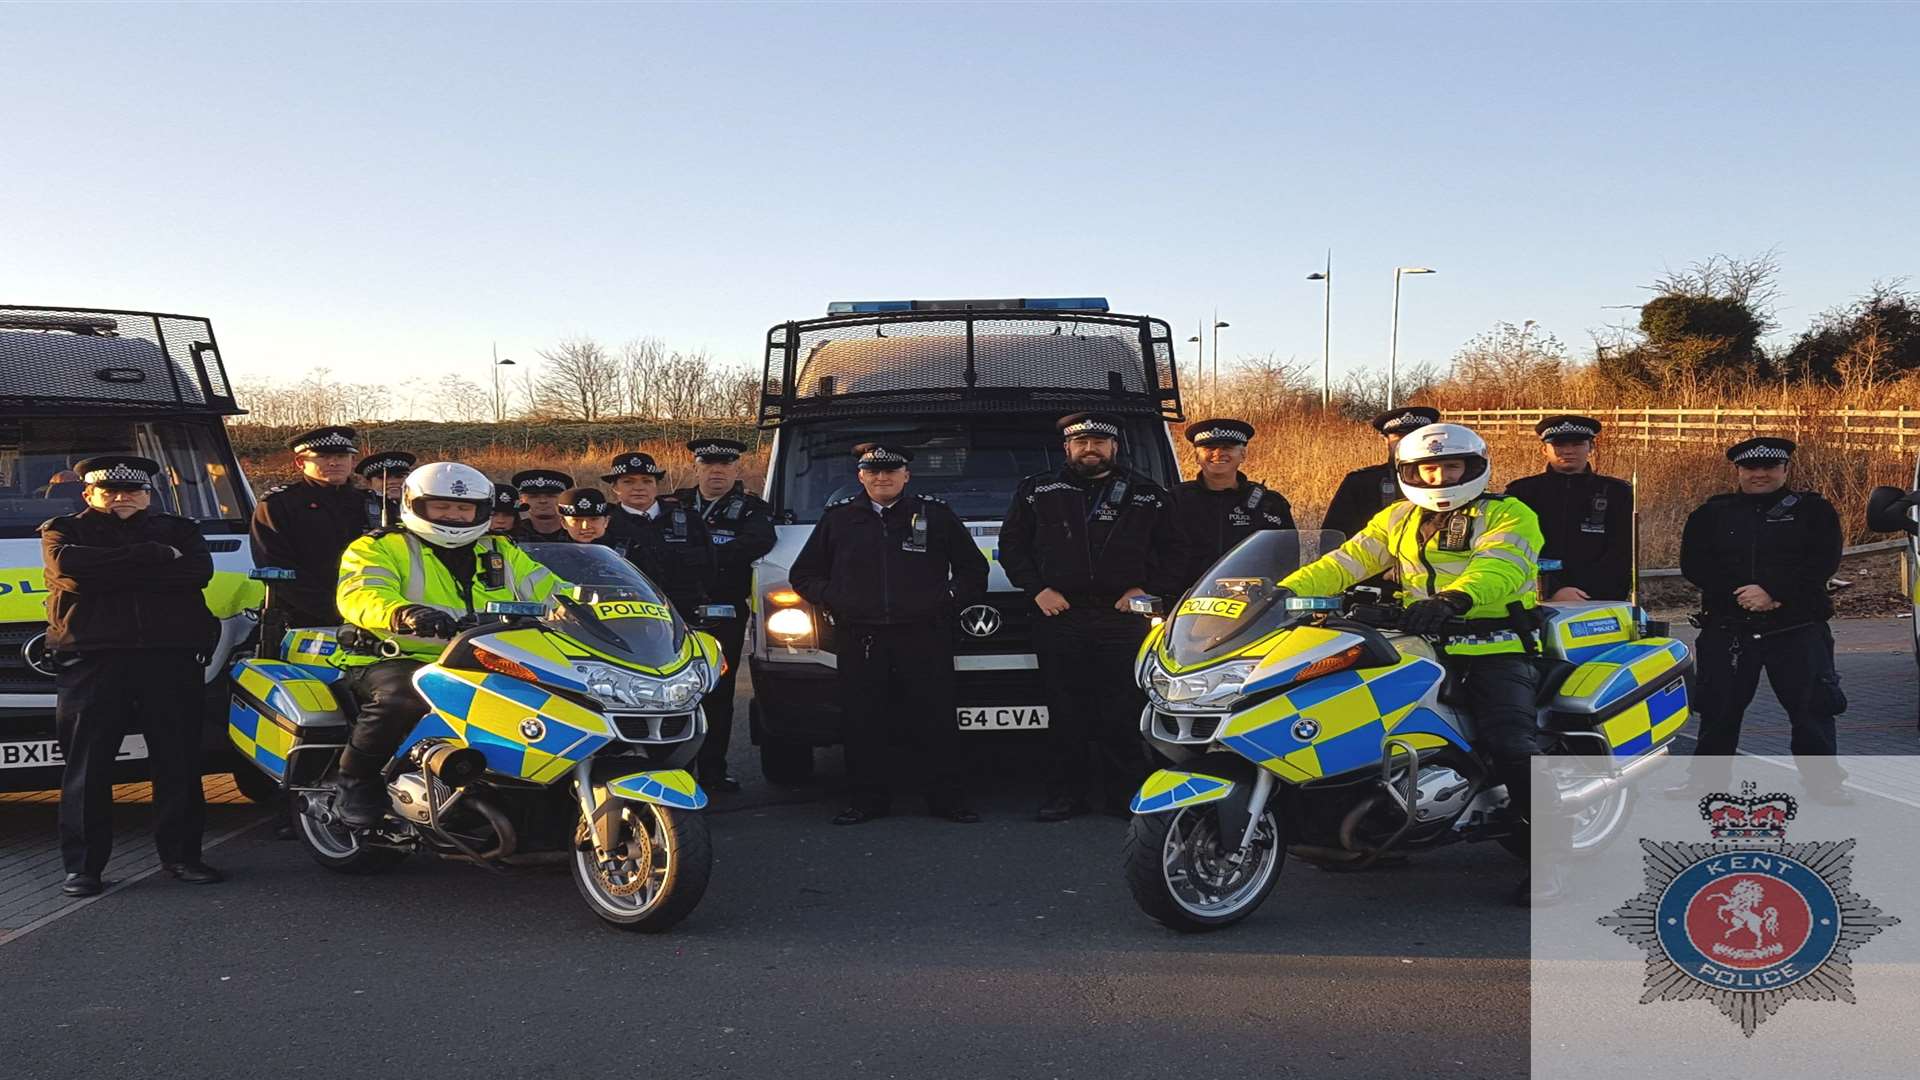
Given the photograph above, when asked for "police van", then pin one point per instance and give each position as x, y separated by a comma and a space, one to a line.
973, 388
75, 383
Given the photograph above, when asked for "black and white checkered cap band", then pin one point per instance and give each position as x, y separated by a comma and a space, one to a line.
332, 440
1220, 435
640, 468
585, 504
1763, 453
119, 474
1091, 427
1406, 420
713, 450
1568, 427
543, 483
881, 457
392, 464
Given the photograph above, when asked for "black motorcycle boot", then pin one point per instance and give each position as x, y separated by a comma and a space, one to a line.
360, 800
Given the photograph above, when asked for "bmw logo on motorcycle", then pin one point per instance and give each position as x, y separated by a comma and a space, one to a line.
532, 730
1305, 730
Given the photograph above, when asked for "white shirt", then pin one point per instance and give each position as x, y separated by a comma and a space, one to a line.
652, 510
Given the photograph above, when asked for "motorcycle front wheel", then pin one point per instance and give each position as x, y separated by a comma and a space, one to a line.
1182, 879
653, 872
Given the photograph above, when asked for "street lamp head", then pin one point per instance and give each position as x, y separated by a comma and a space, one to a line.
1195, 337
1221, 325
1317, 276
504, 363
1413, 270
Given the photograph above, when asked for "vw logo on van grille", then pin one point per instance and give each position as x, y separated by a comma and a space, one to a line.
980, 620
34, 652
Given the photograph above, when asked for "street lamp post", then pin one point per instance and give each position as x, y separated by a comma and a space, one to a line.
1199, 356
1326, 334
1217, 325
499, 405
1393, 346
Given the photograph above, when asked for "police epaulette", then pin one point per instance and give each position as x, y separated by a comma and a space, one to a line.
933, 499
274, 490
848, 501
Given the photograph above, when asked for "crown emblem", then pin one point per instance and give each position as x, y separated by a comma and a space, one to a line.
1748, 816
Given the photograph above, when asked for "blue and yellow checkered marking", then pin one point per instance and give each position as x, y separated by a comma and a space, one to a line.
1648, 724
293, 691
1169, 789
1622, 669
258, 739
312, 650
1352, 712
489, 711
673, 788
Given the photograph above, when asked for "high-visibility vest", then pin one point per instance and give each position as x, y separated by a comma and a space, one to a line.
1498, 563
383, 572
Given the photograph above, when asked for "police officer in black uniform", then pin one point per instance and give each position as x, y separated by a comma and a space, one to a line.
130, 633
1081, 541
894, 569
1586, 518
665, 539
1365, 492
1220, 507
584, 513
540, 489
306, 526
506, 509
741, 527
1761, 556
385, 473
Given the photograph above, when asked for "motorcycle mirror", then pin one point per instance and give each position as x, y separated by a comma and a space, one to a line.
1147, 604
513, 608
715, 611
271, 573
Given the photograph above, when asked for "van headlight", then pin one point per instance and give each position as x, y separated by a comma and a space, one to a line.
1207, 689
790, 624
617, 686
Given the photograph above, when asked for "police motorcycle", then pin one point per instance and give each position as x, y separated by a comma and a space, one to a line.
556, 732
1315, 726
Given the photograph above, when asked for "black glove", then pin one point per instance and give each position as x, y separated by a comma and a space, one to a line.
424, 621
1428, 616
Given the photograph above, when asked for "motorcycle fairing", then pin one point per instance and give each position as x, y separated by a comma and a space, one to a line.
272, 701
1337, 723
1295, 649
1170, 789
537, 650
672, 788
313, 648
1582, 632
524, 730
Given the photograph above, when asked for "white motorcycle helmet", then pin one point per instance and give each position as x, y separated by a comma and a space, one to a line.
454, 482
1442, 442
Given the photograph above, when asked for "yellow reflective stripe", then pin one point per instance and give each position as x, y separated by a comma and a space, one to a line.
1373, 547
1514, 540
1353, 567
415, 587
1526, 565
528, 586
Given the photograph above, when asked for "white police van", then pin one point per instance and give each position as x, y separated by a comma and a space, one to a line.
75, 383
973, 388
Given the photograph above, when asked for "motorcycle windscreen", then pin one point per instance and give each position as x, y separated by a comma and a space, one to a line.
1239, 599
613, 608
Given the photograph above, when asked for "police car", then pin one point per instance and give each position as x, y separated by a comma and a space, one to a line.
973, 388
75, 383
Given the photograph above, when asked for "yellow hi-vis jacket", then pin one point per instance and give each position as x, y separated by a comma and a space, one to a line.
1500, 563
386, 571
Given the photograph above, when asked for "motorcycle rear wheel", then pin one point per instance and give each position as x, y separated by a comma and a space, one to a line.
336, 847
1175, 874
660, 862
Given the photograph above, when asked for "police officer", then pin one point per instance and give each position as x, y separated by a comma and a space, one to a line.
1220, 507
540, 489
665, 539
1082, 541
385, 475
1587, 518
583, 511
1365, 492
304, 527
410, 585
741, 527
1761, 556
1462, 553
130, 633
506, 509
894, 569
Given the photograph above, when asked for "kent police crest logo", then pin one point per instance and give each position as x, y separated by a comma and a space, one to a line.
1748, 922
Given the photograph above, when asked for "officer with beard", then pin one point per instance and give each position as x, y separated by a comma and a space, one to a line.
1081, 542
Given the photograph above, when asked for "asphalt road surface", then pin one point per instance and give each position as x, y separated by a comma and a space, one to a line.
909, 947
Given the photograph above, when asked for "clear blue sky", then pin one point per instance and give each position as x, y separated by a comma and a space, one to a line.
384, 190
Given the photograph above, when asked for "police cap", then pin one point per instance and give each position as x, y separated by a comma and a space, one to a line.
1096, 424
582, 502
1567, 428
506, 499
633, 463
716, 450
1403, 420
1220, 433
333, 439
118, 471
395, 463
879, 457
1764, 450
541, 481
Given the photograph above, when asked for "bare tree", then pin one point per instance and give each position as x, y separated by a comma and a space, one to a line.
581, 380
458, 398
1509, 364
1753, 282
1268, 384
640, 362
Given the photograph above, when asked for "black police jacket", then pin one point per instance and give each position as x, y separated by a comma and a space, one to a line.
1587, 520
113, 584
1214, 521
1787, 542
672, 548
1092, 540
382, 513
741, 526
914, 563
1362, 494
305, 527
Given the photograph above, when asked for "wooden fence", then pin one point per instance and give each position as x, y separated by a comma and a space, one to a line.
1847, 429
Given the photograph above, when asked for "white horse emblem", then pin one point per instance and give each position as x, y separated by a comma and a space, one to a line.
1739, 914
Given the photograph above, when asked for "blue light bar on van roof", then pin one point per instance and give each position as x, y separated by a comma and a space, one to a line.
876, 307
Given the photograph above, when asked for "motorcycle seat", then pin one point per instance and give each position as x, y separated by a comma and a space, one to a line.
1553, 674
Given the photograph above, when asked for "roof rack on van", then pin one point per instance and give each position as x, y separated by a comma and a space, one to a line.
58, 361
969, 359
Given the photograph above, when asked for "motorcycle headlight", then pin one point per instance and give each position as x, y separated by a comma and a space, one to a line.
1208, 688
618, 686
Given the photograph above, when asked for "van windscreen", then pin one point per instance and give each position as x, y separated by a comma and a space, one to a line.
972, 464
37, 481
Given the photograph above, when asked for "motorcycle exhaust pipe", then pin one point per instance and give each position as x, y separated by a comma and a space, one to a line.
1600, 787
454, 766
